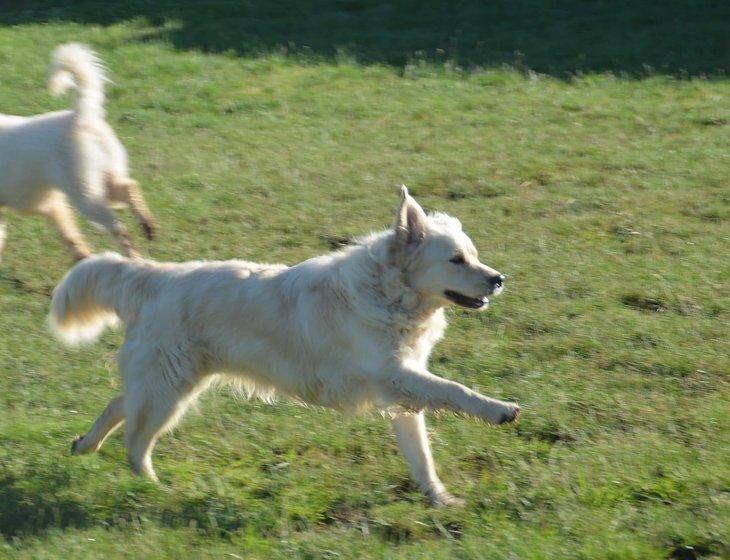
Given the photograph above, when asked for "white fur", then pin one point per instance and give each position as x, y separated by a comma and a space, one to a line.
73, 155
350, 330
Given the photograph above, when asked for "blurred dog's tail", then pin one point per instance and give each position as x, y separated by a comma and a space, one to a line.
94, 295
75, 66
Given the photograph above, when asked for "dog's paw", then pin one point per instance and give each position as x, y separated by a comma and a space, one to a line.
446, 499
149, 227
76, 445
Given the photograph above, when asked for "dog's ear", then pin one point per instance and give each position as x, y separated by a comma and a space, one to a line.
410, 221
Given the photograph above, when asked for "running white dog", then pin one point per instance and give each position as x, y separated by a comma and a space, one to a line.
350, 330
72, 155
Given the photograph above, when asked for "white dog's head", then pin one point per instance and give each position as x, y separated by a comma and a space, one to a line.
439, 260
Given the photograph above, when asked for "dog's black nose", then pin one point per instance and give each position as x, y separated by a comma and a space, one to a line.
496, 281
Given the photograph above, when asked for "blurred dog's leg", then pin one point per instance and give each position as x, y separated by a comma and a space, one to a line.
128, 192
410, 430
97, 212
62, 217
108, 421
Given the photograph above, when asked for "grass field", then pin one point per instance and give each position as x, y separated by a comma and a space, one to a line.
593, 170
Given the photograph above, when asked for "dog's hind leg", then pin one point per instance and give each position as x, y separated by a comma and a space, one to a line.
85, 190
62, 217
120, 186
417, 389
158, 391
96, 211
147, 419
150, 409
410, 429
108, 421
127, 191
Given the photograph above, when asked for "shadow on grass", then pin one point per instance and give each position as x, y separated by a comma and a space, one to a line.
560, 38
44, 497
33, 504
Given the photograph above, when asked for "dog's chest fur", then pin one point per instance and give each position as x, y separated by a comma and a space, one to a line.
416, 340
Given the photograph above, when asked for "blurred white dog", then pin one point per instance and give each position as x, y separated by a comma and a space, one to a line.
351, 330
72, 155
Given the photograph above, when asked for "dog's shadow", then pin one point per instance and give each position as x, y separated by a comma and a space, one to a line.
43, 497
38, 501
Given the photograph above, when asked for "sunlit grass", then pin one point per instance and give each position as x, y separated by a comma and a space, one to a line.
604, 199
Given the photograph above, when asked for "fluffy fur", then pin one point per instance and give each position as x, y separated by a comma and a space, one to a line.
351, 330
50, 159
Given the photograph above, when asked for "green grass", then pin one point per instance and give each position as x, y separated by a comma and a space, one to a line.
604, 196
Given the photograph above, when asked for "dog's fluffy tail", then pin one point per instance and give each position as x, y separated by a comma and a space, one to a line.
94, 295
76, 66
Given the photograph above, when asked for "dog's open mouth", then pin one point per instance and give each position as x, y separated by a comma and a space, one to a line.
466, 301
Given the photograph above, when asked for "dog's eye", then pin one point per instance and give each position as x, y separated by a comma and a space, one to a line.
458, 259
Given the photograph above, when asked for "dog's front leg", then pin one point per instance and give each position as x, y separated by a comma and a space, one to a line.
418, 389
410, 429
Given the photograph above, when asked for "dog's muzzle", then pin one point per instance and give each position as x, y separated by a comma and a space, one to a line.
466, 301
495, 282
495, 287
